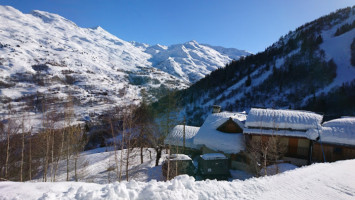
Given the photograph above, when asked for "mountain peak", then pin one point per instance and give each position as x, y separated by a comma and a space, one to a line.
51, 18
192, 42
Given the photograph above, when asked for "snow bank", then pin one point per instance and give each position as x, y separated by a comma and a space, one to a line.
283, 119
339, 131
318, 181
176, 136
209, 136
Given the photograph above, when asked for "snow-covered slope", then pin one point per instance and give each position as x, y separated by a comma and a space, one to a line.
46, 54
297, 72
318, 181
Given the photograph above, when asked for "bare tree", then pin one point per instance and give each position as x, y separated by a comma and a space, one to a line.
264, 152
144, 123
129, 121
22, 147
59, 154
114, 146
69, 114
166, 121
12, 129
79, 140
30, 156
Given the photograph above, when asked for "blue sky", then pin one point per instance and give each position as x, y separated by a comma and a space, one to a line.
252, 25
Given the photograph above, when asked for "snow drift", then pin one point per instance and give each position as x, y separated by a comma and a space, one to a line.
318, 181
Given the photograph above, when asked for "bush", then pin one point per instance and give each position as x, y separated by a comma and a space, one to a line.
40, 67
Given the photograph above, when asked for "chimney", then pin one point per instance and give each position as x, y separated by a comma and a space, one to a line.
216, 109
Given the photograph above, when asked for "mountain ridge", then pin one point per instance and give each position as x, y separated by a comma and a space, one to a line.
44, 53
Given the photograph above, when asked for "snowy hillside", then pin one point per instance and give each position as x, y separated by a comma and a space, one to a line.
44, 54
318, 181
310, 68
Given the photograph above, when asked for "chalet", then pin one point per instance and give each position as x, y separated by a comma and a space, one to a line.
296, 130
222, 133
176, 139
337, 141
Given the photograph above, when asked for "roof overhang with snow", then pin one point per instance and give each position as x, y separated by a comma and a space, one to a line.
293, 123
209, 136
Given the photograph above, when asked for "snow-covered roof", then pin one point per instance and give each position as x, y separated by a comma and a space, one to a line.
283, 119
213, 156
339, 131
209, 136
311, 134
179, 157
176, 136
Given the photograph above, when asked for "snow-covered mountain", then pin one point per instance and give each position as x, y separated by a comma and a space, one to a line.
44, 53
190, 61
311, 68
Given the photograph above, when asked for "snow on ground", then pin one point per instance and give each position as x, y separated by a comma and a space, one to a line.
278, 168
98, 166
318, 181
240, 175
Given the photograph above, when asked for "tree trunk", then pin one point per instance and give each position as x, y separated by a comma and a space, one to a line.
68, 154
141, 154
184, 136
30, 158
59, 156
127, 159
52, 157
7, 154
47, 155
115, 147
22, 151
158, 150
121, 159
168, 172
75, 168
